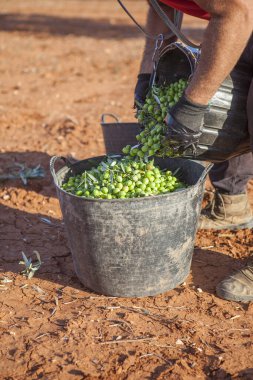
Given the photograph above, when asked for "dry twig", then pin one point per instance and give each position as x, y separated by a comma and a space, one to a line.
127, 340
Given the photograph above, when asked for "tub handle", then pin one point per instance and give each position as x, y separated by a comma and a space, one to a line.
52, 163
104, 115
205, 172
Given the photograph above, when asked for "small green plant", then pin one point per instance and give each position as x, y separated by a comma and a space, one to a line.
30, 267
23, 173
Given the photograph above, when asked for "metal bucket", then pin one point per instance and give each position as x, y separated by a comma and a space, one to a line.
225, 131
133, 247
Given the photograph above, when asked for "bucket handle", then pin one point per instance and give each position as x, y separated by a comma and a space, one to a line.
104, 115
52, 164
205, 172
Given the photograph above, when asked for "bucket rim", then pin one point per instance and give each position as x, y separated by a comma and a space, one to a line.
137, 199
116, 120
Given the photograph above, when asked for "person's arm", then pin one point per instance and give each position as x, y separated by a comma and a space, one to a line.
226, 36
154, 26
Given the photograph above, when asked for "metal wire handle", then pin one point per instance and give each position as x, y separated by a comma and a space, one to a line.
174, 27
148, 35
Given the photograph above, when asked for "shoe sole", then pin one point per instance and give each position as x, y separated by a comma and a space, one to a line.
231, 297
231, 227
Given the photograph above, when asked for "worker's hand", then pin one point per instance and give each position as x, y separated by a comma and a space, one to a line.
185, 122
141, 89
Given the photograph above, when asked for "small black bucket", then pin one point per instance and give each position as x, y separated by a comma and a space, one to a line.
117, 134
133, 247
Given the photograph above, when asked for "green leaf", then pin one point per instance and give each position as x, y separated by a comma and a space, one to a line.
114, 155
176, 171
30, 268
105, 167
122, 167
26, 260
38, 256
140, 105
92, 177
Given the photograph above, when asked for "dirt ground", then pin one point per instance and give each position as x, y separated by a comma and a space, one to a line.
64, 63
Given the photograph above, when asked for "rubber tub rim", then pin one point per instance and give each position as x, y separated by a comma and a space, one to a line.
132, 200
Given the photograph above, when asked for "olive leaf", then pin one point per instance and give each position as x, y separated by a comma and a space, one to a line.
24, 173
135, 146
113, 163
92, 177
138, 104
30, 267
176, 171
113, 156
105, 167
122, 167
146, 158
84, 181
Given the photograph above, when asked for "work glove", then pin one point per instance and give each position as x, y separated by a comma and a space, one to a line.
141, 89
185, 123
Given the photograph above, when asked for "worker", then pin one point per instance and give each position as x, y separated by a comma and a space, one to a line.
221, 49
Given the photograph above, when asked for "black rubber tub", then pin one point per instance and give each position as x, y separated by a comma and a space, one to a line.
117, 135
133, 247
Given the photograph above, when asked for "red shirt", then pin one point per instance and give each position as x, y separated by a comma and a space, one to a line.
187, 6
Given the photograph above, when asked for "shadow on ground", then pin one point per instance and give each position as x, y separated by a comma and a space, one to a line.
210, 267
64, 26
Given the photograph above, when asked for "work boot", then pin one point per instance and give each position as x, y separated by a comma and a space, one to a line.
225, 211
238, 286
